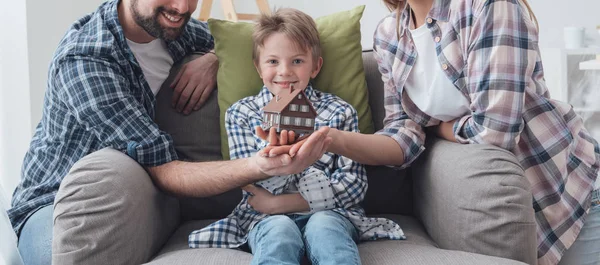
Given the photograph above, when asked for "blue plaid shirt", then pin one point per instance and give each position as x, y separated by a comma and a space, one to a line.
333, 183
96, 97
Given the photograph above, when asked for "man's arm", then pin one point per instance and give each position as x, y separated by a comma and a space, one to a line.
98, 94
202, 179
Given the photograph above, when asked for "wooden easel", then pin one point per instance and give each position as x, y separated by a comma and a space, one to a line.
229, 10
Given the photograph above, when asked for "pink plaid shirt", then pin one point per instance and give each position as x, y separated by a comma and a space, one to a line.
489, 50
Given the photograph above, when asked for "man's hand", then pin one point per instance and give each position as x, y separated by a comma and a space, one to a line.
309, 151
194, 83
261, 199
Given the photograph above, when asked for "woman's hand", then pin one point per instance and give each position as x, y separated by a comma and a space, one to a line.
445, 130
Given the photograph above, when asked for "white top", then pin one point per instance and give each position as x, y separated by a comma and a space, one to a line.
428, 86
155, 60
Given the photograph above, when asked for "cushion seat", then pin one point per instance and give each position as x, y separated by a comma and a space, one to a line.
419, 248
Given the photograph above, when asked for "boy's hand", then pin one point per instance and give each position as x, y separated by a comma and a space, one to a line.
280, 144
265, 202
305, 153
285, 138
261, 199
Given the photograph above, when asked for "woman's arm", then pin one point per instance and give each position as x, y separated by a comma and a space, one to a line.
501, 58
368, 149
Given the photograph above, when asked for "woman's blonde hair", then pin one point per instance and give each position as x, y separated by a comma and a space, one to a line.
398, 4
295, 24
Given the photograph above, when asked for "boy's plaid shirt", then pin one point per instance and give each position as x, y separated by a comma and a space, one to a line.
489, 50
333, 183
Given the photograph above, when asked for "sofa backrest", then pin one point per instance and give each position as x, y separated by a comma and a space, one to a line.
196, 138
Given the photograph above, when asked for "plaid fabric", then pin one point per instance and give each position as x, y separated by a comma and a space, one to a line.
489, 50
96, 97
333, 183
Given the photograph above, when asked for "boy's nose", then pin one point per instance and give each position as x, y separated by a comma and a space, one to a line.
284, 70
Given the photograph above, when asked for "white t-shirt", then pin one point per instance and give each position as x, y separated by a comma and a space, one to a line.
428, 86
155, 60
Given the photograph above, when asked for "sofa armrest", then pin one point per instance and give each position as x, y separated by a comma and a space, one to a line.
108, 211
475, 198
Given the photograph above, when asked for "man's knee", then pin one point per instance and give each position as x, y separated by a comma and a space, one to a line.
106, 178
35, 241
104, 172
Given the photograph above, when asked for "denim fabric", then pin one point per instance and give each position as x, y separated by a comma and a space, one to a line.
283, 239
586, 249
35, 241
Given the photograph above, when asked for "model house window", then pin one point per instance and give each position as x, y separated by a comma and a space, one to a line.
277, 121
299, 96
286, 120
298, 121
304, 108
308, 122
293, 107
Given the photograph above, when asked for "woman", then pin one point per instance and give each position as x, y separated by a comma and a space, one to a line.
470, 70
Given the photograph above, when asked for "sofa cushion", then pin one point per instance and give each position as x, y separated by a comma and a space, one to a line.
195, 136
342, 73
417, 249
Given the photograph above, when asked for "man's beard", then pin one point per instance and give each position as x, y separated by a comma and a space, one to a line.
152, 25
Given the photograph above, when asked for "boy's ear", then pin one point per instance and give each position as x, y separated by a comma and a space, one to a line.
317, 67
257, 69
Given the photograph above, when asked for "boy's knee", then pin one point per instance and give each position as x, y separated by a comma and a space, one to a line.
330, 221
278, 225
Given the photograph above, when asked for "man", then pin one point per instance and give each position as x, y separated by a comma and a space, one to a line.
100, 94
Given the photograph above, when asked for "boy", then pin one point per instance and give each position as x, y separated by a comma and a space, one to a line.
316, 211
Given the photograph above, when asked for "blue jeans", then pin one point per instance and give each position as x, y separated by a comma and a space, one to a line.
586, 249
283, 239
35, 241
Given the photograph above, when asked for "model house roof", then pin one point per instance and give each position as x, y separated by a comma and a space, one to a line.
281, 101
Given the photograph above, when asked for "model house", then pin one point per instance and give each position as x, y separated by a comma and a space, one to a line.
290, 111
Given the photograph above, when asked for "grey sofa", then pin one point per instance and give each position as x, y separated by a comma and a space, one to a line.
455, 201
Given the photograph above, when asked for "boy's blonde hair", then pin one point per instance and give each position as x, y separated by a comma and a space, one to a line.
295, 24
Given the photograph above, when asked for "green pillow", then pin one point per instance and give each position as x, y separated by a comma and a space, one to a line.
342, 73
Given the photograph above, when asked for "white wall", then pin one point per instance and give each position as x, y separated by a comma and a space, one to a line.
15, 114
375, 10
47, 22
554, 15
